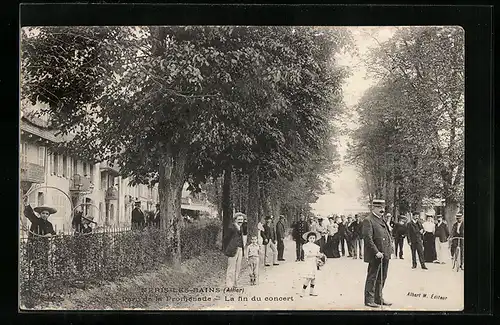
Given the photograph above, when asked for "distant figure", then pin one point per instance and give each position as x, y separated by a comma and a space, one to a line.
138, 218
155, 222
280, 234
429, 226
457, 230
399, 233
331, 249
415, 231
442, 234
299, 228
357, 237
270, 242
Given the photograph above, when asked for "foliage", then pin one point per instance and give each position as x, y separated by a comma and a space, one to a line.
50, 267
411, 130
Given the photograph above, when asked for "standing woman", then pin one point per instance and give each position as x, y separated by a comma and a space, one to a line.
430, 254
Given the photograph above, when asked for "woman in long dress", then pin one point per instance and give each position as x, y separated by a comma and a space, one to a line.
430, 254
309, 268
331, 249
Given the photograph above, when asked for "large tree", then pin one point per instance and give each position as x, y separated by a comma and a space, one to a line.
177, 104
419, 113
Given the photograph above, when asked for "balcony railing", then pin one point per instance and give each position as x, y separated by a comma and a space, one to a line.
80, 184
31, 172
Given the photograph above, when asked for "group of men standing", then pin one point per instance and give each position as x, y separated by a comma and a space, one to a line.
339, 235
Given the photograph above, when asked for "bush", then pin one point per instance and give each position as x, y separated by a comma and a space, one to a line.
50, 267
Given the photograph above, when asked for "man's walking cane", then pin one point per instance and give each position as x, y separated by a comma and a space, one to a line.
380, 272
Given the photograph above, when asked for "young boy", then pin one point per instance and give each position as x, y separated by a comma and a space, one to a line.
253, 253
311, 254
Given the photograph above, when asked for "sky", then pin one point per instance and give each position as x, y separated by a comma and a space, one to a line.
347, 196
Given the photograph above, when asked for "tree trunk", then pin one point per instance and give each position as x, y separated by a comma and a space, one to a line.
450, 212
218, 194
253, 201
171, 172
227, 207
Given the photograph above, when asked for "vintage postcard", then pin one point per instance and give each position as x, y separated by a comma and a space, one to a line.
242, 168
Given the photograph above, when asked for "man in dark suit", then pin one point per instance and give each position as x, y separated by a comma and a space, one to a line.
377, 247
457, 230
280, 234
399, 233
350, 233
138, 218
299, 228
358, 237
415, 230
270, 241
342, 233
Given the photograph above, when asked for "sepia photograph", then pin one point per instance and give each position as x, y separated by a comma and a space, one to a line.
242, 168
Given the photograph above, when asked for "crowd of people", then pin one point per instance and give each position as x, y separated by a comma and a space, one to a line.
375, 238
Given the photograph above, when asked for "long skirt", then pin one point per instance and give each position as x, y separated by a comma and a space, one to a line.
430, 254
331, 248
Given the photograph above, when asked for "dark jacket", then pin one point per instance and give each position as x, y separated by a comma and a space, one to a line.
414, 234
342, 229
299, 229
442, 232
244, 228
233, 238
377, 238
269, 233
138, 218
399, 230
459, 232
358, 229
280, 230
38, 225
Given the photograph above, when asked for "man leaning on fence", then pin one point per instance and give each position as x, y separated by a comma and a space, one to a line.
138, 217
233, 249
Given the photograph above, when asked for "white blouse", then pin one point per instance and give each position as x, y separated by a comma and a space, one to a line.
429, 226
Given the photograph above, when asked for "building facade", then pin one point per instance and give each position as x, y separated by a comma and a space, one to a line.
68, 183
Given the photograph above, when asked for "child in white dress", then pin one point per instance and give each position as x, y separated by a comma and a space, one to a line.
311, 254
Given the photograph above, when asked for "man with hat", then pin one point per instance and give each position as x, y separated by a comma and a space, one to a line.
270, 241
415, 231
138, 218
441, 234
399, 233
39, 225
377, 247
457, 230
300, 227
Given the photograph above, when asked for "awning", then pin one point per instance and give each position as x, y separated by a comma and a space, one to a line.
196, 208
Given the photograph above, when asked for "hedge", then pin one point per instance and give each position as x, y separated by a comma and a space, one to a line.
52, 266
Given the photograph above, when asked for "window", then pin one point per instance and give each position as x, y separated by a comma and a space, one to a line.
40, 199
75, 166
91, 172
55, 165
85, 169
41, 156
65, 166
103, 181
24, 152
